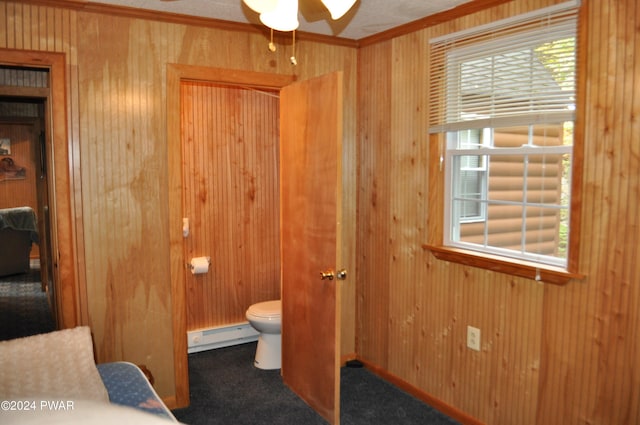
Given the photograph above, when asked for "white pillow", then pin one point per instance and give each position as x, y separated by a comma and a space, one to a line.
57, 365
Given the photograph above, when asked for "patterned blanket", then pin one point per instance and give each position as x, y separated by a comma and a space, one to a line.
128, 386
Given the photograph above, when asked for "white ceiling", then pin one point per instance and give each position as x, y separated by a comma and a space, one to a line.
367, 17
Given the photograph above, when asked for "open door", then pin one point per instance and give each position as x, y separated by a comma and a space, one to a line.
310, 196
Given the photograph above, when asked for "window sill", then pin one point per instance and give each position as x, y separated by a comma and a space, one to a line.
534, 271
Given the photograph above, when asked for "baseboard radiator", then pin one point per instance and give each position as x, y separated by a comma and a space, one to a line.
222, 336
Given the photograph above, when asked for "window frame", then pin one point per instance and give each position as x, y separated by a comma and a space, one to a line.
450, 221
438, 178
483, 136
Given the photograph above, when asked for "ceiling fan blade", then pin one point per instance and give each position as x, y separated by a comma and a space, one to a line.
313, 10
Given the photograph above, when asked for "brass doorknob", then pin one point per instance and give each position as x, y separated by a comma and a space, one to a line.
326, 275
342, 274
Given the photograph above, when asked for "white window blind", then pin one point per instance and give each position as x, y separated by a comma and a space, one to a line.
516, 71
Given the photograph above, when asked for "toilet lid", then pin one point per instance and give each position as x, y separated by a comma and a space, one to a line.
266, 309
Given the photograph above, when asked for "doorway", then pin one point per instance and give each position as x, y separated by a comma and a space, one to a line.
230, 186
176, 75
24, 188
69, 304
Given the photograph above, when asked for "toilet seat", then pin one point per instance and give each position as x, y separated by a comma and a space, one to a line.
266, 309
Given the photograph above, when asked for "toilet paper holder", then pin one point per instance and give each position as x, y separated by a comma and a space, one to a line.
191, 267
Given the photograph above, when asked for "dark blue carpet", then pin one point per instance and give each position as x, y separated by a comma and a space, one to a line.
24, 309
227, 389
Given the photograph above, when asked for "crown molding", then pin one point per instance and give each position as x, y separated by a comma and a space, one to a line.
131, 12
429, 21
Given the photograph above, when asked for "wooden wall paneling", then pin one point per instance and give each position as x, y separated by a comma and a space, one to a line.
632, 269
594, 218
603, 341
348, 203
373, 206
518, 358
440, 317
124, 158
614, 287
407, 203
438, 322
231, 198
48, 41
348, 65
551, 355
543, 341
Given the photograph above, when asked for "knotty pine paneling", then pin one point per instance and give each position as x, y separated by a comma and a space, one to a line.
116, 109
550, 354
605, 344
231, 197
407, 228
374, 191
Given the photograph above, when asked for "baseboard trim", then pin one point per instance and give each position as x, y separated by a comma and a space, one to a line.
221, 336
170, 402
421, 395
346, 357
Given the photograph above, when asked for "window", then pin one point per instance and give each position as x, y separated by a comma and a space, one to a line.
470, 183
502, 104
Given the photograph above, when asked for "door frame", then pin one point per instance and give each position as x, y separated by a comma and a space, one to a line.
177, 73
71, 298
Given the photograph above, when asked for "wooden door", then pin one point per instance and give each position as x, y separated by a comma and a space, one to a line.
310, 168
44, 222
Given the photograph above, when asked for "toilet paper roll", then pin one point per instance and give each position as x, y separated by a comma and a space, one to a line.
199, 265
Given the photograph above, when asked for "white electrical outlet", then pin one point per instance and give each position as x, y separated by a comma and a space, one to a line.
473, 338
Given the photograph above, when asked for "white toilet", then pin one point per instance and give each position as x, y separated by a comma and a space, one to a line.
266, 318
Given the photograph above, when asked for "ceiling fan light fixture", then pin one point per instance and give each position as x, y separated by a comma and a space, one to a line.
337, 8
284, 17
261, 6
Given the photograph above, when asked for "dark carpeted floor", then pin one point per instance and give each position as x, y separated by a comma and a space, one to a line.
24, 309
227, 389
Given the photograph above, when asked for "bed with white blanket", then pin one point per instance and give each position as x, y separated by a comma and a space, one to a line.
52, 378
